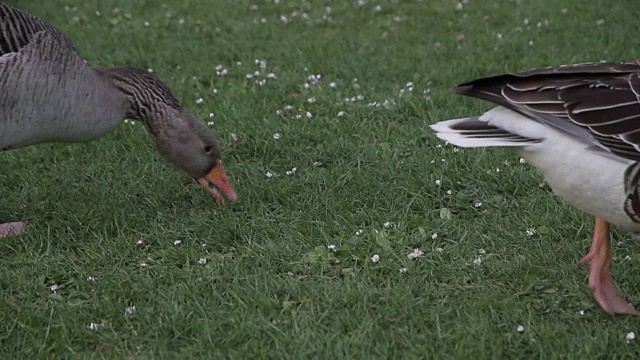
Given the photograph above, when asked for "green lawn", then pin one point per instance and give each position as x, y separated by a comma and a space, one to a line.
270, 287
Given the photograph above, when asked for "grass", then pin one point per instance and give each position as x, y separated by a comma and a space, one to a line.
270, 287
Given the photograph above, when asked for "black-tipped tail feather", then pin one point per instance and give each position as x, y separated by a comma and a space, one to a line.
473, 132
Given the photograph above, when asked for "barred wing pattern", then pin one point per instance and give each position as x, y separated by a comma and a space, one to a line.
597, 102
18, 29
602, 98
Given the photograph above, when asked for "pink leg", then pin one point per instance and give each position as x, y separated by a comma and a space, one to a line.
14, 228
599, 257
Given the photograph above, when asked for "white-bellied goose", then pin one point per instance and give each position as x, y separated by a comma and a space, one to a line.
48, 94
579, 125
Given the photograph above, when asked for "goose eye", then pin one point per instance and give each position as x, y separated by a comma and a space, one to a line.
207, 148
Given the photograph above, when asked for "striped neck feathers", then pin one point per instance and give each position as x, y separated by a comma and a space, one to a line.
149, 98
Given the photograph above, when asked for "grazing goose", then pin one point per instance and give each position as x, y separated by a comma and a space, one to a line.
579, 125
49, 94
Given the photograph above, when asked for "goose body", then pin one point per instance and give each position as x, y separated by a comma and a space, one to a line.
579, 126
48, 94
54, 116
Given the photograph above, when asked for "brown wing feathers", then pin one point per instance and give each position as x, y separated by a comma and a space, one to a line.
600, 97
18, 28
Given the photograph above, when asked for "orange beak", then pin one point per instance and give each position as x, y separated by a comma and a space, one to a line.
220, 182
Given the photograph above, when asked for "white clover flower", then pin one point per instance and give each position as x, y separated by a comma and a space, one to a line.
97, 326
415, 254
292, 171
530, 232
331, 247
388, 103
221, 70
129, 310
520, 328
277, 136
203, 261
375, 258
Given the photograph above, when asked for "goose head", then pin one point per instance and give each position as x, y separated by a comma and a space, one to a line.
191, 147
180, 138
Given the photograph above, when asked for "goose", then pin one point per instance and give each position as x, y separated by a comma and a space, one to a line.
579, 126
49, 94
